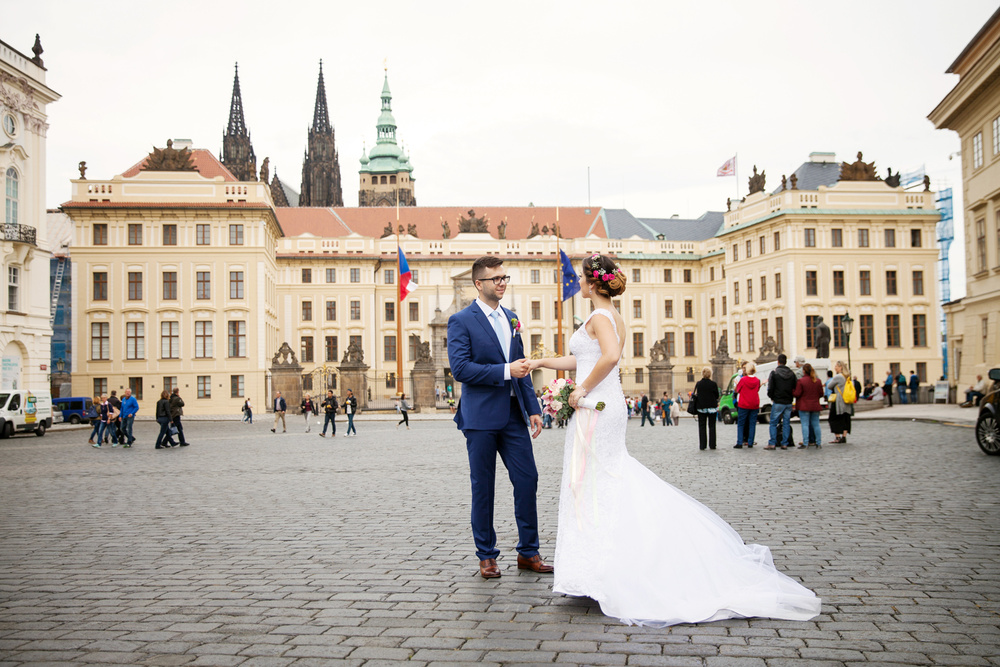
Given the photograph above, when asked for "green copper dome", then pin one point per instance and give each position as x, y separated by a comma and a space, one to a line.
385, 157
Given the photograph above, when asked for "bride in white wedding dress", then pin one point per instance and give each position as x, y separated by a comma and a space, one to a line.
646, 551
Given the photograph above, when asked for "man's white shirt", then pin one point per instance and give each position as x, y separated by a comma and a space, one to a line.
489, 316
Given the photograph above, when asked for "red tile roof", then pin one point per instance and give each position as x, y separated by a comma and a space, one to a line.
205, 163
574, 222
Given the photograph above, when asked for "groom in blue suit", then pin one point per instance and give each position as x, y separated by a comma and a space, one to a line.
497, 408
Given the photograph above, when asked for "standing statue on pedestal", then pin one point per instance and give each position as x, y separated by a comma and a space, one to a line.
822, 337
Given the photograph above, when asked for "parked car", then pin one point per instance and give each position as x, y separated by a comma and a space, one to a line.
75, 409
25, 411
988, 422
764, 370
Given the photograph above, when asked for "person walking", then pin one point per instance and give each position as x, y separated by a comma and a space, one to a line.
247, 411
747, 397
706, 402
165, 439
780, 386
901, 388
404, 407
840, 410
308, 410
887, 386
644, 410
130, 408
665, 404
113, 430
95, 421
808, 391
280, 406
176, 411
103, 412
914, 387
329, 406
350, 409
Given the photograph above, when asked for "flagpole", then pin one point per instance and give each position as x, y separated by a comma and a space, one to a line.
399, 307
736, 166
559, 302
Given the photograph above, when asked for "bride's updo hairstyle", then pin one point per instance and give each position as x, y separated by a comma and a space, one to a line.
604, 275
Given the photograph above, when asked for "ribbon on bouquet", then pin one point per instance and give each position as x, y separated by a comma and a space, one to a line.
583, 461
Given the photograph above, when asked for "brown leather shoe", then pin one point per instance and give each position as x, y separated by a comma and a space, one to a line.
488, 569
535, 564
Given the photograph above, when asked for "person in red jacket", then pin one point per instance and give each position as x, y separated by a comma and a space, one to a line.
747, 396
808, 391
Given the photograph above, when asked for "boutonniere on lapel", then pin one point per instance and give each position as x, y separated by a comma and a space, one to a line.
515, 324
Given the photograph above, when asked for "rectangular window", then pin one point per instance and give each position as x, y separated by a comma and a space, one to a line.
763, 330
169, 383
389, 276
866, 328
711, 273
892, 331
862, 238
135, 340
981, 244
135, 384
812, 288
736, 293
307, 311
237, 339
723, 305
671, 348
134, 234
711, 309
413, 347
331, 348
100, 341
415, 276
749, 248
868, 372
235, 284
203, 340
307, 276
331, 275
712, 340
536, 276
100, 286
169, 285
235, 234
170, 340
749, 290
390, 311
838, 283
307, 349
763, 244
637, 309
536, 340
236, 386
811, 321
738, 337
977, 150
736, 252
389, 348
922, 371
750, 336
204, 386
890, 283
668, 275
777, 241
777, 286
996, 135
688, 343
918, 283
100, 386
414, 311
100, 233
203, 234
637, 344
916, 238
779, 332
355, 275
331, 311
135, 286
637, 275
837, 238
763, 288
920, 330
688, 308
865, 283
355, 310
639, 375
203, 285
890, 238
687, 275
668, 308
810, 238
839, 337
169, 234
536, 310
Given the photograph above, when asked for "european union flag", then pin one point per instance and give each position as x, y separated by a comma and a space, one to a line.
570, 281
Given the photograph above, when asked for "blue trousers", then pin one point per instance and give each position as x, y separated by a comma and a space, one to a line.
781, 413
513, 444
810, 428
746, 425
350, 423
127, 423
329, 419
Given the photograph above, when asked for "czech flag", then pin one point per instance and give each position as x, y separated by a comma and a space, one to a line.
406, 284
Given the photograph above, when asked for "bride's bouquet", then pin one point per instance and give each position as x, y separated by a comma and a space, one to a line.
555, 399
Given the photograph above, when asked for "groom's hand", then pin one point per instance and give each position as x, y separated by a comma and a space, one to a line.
519, 368
536, 425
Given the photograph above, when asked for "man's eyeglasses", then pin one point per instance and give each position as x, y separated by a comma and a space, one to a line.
497, 279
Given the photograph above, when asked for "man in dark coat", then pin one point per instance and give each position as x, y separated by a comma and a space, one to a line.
780, 388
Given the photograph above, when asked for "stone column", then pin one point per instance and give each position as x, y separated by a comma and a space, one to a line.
661, 379
286, 377
424, 374
354, 375
723, 366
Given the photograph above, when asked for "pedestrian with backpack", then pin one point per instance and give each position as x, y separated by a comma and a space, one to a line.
842, 408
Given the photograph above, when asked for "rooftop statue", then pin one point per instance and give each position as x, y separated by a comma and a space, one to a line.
757, 181
473, 224
858, 171
169, 159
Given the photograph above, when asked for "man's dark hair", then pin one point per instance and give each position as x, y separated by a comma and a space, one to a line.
782, 359
487, 262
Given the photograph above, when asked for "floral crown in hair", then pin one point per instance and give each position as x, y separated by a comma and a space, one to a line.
601, 273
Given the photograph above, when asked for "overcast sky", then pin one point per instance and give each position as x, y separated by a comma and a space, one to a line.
510, 103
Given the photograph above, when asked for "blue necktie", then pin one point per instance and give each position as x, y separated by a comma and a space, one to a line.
502, 334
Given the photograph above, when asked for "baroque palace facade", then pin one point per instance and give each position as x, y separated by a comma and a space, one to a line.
185, 276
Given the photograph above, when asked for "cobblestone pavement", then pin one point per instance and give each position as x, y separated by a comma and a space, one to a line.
250, 548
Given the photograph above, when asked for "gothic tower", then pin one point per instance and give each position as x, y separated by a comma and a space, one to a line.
386, 172
321, 167
237, 151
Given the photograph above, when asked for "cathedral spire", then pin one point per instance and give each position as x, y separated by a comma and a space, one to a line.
321, 116
237, 151
236, 123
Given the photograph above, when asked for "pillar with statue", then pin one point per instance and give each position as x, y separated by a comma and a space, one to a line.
353, 374
661, 371
423, 373
286, 377
723, 366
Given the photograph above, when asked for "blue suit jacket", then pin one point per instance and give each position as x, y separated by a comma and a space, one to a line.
477, 361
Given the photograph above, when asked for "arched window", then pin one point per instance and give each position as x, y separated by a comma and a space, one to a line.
392, 180
383, 180
11, 198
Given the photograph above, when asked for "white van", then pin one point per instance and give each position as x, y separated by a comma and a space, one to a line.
764, 373
25, 411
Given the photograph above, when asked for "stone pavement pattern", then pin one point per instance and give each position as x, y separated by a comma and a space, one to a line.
249, 548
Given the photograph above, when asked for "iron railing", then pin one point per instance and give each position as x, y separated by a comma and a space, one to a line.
13, 231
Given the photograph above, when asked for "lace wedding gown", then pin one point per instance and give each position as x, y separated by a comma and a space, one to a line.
646, 551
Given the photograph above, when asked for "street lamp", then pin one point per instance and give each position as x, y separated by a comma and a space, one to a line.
847, 326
